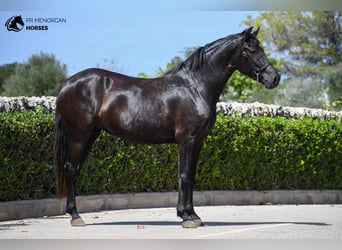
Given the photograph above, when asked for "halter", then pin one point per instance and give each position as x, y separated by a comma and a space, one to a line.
257, 71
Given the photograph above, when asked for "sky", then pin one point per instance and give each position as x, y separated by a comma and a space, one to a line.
140, 36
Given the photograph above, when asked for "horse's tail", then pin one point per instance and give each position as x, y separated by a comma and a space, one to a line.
61, 150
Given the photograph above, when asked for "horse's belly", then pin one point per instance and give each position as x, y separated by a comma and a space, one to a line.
138, 120
143, 129
144, 135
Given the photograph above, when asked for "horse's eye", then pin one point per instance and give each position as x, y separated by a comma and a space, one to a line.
250, 49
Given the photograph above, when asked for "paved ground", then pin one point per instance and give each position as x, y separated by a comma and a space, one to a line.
225, 222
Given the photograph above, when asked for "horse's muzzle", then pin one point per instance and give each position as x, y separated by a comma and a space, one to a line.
272, 81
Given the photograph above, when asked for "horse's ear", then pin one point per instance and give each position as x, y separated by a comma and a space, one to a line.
247, 33
255, 33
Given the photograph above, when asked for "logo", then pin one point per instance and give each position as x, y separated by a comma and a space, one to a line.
15, 23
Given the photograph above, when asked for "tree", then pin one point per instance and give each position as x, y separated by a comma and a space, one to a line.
307, 42
308, 46
5, 71
333, 81
176, 60
111, 65
41, 75
302, 93
239, 87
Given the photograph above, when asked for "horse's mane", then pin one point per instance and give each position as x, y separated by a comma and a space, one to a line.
193, 61
199, 56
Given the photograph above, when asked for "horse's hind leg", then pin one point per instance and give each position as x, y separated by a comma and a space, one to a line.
72, 171
78, 150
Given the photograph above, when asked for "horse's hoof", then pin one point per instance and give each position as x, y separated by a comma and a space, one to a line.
78, 222
198, 222
189, 224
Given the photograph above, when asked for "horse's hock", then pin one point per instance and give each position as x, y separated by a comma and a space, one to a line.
48, 103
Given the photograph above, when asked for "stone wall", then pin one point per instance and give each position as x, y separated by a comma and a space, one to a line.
260, 109
21, 103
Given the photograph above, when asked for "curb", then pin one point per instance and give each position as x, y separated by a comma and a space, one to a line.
14, 210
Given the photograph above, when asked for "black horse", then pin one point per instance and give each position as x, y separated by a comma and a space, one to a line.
178, 107
12, 23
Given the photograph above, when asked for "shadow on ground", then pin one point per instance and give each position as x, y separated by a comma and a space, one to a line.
207, 223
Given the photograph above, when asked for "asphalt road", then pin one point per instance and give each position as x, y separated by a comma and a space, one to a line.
223, 222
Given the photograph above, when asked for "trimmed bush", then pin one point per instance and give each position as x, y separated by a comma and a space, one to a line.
272, 153
26, 155
241, 153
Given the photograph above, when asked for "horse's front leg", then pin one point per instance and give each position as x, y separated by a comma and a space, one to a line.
188, 154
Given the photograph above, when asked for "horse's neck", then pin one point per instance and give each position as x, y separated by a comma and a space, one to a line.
212, 68
212, 82
221, 66
216, 87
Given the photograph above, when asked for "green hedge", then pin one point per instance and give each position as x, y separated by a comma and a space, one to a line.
26, 155
241, 153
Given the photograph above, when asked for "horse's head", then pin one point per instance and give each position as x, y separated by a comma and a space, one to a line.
18, 19
253, 62
12, 22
